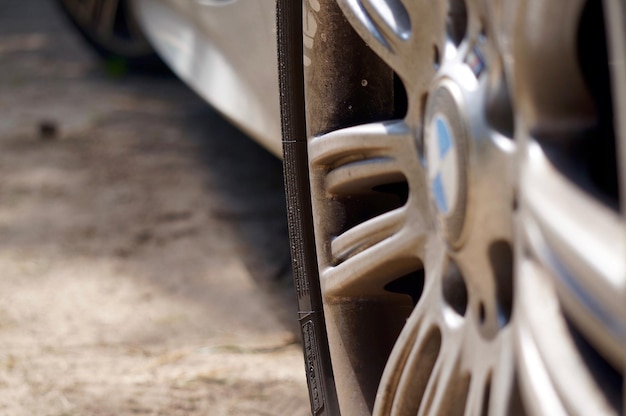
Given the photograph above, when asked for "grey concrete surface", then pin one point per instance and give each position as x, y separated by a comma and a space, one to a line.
144, 265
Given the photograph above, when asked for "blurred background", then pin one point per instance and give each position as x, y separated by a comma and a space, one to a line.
144, 261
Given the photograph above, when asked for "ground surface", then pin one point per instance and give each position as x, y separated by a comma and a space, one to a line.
132, 243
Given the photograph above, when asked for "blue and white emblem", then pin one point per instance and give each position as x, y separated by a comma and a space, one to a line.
443, 165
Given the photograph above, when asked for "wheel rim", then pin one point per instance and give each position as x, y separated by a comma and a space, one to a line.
571, 284
110, 23
457, 201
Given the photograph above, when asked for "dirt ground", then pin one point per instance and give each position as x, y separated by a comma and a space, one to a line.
144, 261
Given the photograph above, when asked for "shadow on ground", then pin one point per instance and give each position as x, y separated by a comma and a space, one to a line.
143, 243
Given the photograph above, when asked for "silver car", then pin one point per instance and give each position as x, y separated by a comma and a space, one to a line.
455, 175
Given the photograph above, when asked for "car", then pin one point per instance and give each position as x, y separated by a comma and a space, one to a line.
455, 173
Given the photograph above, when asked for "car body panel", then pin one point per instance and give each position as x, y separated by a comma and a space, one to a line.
226, 51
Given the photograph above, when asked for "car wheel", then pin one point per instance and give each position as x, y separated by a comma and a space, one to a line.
453, 173
110, 28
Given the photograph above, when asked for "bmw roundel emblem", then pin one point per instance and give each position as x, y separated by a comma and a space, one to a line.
446, 148
443, 165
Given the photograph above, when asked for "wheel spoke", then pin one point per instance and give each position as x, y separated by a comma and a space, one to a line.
111, 24
368, 140
107, 16
415, 352
391, 18
585, 257
504, 398
361, 19
401, 33
478, 395
615, 12
546, 345
93, 11
84, 11
363, 175
369, 270
132, 25
416, 371
447, 389
368, 233
487, 268
76, 7
357, 159
547, 73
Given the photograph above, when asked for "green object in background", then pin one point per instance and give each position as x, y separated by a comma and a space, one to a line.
116, 66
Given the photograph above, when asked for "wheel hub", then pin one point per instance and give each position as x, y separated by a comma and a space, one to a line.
446, 143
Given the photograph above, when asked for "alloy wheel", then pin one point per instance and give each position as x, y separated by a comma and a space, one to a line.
464, 186
110, 25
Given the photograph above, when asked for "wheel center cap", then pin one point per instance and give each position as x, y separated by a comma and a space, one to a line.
446, 158
443, 164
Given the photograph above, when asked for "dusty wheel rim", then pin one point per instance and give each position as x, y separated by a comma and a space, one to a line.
111, 24
571, 264
425, 189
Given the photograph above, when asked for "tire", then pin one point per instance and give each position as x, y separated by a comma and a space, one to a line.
111, 30
455, 173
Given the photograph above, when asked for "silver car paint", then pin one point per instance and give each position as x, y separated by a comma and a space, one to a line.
226, 51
